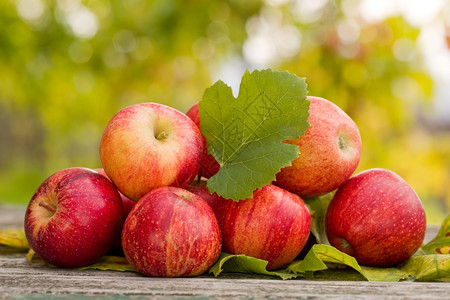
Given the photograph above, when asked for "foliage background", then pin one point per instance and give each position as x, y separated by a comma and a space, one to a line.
67, 66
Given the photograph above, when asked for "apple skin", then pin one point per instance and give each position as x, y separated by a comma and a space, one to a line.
209, 165
330, 151
171, 232
74, 218
272, 211
214, 201
127, 204
376, 217
149, 145
274, 225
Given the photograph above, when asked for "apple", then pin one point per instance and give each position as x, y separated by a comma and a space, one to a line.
274, 225
73, 218
209, 165
171, 232
149, 145
219, 204
330, 151
200, 189
376, 217
127, 204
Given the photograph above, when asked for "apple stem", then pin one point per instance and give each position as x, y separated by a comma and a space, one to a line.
162, 136
47, 206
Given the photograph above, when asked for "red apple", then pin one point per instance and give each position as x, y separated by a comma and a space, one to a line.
274, 225
149, 145
330, 151
127, 204
214, 201
209, 165
171, 232
73, 218
376, 217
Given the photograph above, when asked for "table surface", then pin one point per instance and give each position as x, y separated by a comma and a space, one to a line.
20, 279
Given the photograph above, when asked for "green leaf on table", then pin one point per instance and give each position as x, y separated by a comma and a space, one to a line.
319, 257
435, 267
111, 263
32, 257
430, 267
325, 257
246, 134
385, 274
14, 238
441, 243
318, 207
239, 263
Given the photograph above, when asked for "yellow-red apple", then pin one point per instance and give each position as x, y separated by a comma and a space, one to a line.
330, 151
149, 145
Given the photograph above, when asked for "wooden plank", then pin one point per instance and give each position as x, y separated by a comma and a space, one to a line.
20, 279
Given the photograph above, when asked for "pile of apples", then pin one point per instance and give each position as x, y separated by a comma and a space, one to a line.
150, 200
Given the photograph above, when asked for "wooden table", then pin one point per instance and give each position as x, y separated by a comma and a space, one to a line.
20, 279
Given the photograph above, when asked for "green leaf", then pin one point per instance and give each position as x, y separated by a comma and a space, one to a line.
441, 243
431, 267
325, 257
32, 257
111, 263
245, 135
245, 264
385, 274
435, 267
318, 257
318, 207
14, 238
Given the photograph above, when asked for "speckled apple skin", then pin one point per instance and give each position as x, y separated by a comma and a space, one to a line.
322, 166
171, 232
209, 165
379, 216
87, 221
137, 162
274, 225
127, 204
213, 200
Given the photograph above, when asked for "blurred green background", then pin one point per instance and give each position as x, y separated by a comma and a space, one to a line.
67, 66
